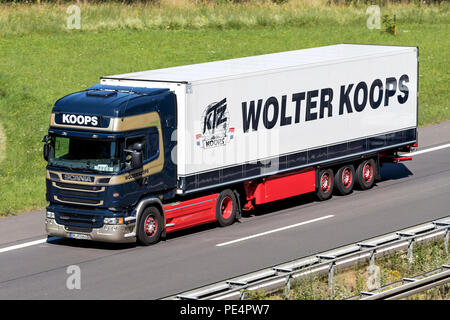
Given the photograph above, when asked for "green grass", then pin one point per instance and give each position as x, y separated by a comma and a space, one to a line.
41, 60
185, 15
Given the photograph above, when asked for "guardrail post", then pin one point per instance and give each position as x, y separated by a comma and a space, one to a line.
446, 225
287, 288
242, 294
330, 278
330, 270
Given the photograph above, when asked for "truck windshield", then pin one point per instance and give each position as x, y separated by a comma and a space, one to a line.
75, 153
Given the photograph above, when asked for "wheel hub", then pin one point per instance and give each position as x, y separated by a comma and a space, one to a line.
368, 172
226, 207
325, 182
150, 226
346, 177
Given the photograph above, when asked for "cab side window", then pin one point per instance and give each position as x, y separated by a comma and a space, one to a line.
150, 146
153, 145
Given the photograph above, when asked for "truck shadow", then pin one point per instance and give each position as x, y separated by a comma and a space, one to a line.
66, 242
394, 171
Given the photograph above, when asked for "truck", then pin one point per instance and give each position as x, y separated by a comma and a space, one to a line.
140, 155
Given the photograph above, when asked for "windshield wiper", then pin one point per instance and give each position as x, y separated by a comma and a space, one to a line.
58, 166
73, 168
87, 170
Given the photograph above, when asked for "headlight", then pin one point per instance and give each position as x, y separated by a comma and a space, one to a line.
113, 220
50, 215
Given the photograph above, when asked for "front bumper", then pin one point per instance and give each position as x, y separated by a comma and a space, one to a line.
119, 233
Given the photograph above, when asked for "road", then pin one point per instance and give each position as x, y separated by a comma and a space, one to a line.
410, 193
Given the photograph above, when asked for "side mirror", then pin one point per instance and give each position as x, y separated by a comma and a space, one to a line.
136, 159
136, 156
46, 150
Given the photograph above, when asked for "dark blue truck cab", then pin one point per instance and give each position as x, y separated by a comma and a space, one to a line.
107, 149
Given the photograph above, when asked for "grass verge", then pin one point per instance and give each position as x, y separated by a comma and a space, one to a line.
190, 15
351, 281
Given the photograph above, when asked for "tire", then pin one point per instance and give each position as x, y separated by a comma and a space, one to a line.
150, 226
344, 179
326, 184
226, 208
366, 173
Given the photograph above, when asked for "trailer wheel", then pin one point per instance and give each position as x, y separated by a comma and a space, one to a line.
344, 179
226, 208
150, 226
326, 184
365, 174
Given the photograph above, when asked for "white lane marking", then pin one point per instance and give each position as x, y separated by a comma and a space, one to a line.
26, 244
415, 153
274, 230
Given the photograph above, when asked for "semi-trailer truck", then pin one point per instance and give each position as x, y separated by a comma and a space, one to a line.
142, 154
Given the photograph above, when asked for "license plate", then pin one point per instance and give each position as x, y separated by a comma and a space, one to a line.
79, 236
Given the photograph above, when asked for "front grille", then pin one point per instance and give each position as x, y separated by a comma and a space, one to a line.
78, 186
78, 200
78, 229
81, 194
78, 193
78, 220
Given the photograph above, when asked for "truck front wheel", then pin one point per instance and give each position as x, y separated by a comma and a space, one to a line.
226, 208
150, 226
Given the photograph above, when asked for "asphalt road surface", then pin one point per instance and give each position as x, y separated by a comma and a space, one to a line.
410, 193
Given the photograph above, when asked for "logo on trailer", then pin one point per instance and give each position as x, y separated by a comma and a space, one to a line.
215, 124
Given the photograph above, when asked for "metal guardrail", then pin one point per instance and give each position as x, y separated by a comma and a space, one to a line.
408, 286
282, 275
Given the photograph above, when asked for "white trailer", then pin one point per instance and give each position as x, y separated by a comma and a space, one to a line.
246, 118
